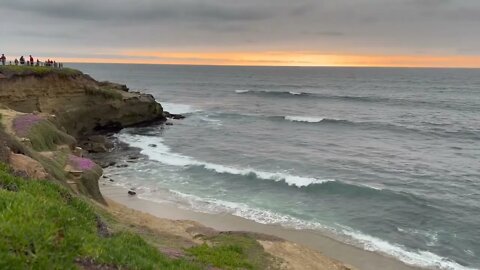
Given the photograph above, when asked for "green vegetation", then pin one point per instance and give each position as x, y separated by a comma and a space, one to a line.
104, 92
45, 136
11, 70
44, 226
232, 251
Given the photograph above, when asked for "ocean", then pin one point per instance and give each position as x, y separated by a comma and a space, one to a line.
385, 159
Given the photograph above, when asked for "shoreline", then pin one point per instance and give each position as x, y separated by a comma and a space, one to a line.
345, 253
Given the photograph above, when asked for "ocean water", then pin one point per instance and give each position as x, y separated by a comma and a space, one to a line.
385, 159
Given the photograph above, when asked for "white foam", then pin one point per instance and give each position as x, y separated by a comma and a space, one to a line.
295, 93
309, 119
215, 206
177, 108
418, 257
163, 154
241, 91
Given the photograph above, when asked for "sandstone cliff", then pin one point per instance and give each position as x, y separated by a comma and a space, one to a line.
80, 103
43, 111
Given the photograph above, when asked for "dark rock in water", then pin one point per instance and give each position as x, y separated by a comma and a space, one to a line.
97, 148
152, 145
168, 124
97, 144
178, 116
173, 116
103, 176
133, 157
132, 193
97, 138
106, 164
111, 180
122, 166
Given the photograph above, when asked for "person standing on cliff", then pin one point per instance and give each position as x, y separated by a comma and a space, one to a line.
3, 59
16, 62
31, 60
22, 60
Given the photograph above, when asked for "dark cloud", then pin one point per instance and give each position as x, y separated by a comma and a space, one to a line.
345, 26
122, 10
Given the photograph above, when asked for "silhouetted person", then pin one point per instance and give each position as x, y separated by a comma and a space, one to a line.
3, 59
38, 63
22, 60
31, 60
16, 62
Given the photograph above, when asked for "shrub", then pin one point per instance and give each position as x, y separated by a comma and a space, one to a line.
80, 163
23, 123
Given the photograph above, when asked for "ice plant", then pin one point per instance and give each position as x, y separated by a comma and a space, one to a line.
23, 123
82, 164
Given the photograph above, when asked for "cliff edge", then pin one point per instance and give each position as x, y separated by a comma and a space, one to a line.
81, 104
44, 111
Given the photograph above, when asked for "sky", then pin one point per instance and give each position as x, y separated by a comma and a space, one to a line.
406, 33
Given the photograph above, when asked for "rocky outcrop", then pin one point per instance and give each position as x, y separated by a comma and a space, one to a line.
81, 104
27, 167
39, 106
96, 144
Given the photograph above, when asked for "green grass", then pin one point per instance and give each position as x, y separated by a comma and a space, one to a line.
10, 70
104, 92
232, 251
44, 226
45, 136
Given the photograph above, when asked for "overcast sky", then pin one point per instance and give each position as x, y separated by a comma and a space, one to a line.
107, 28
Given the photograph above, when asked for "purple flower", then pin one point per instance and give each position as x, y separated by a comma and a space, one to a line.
23, 123
83, 164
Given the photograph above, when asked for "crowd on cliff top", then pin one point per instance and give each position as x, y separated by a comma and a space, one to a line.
30, 62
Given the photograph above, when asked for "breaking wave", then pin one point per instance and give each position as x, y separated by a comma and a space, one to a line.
163, 154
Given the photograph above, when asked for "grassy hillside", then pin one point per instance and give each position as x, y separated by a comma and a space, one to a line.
44, 226
10, 70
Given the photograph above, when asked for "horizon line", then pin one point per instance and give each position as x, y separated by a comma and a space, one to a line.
273, 66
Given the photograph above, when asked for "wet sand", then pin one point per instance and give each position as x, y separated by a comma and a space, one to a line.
351, 255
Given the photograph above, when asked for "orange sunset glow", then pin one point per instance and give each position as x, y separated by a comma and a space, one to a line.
285, 59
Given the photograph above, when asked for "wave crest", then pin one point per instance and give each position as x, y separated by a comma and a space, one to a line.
272, 93
308, 119
163, 154
177, 108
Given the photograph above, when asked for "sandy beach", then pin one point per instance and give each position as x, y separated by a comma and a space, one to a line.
350, 255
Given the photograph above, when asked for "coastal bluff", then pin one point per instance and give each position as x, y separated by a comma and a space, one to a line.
48, 113
80, 103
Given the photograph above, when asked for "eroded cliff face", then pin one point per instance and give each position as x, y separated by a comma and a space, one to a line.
43, 113
81, 104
